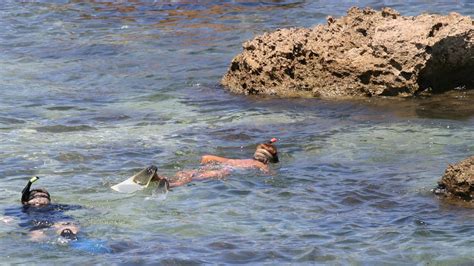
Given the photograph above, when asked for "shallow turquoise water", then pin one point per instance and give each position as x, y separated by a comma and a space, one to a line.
90, 93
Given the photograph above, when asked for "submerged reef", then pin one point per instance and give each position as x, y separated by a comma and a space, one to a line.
366, 53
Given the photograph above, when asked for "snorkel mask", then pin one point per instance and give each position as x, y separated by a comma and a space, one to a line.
266, 152
274, 158
68, 234
34, 197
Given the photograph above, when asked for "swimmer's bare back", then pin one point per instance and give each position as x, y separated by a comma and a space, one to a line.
236, 163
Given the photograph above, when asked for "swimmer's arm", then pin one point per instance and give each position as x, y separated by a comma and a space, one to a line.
213, 159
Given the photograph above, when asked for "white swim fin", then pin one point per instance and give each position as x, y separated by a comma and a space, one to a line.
137, 182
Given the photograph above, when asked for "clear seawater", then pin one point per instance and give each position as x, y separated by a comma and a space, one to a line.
91, 92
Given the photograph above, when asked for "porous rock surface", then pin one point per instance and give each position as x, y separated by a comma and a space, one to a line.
458, 180
366, 53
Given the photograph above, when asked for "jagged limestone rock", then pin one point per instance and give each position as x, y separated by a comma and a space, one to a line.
366, 53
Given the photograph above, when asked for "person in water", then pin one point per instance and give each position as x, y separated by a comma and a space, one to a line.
265, 153
41, 216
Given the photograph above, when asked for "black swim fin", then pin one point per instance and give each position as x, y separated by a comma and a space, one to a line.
145, 176
163, 186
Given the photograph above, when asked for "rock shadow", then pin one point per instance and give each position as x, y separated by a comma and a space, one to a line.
449, 66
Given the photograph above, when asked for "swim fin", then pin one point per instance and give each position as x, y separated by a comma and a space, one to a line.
163, 186
137, 182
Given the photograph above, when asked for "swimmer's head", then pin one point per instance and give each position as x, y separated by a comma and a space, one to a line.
38, 197
266, 152
35, 197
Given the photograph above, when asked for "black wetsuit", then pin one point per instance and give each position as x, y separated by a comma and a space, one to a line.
40, 217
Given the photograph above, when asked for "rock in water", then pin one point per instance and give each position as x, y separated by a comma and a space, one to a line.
458, 180
366, 53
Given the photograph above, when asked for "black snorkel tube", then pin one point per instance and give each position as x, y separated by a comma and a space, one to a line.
25, 193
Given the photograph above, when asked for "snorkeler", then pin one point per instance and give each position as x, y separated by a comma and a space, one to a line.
41, 216
265, 153
47, 222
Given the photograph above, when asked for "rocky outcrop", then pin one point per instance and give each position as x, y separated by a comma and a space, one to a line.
458, 181
366, 53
